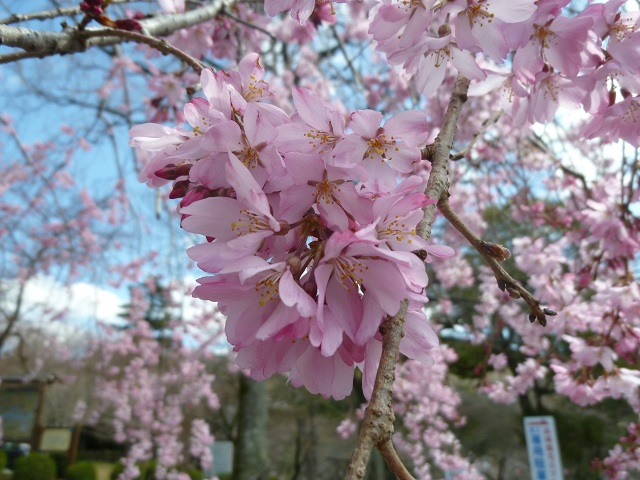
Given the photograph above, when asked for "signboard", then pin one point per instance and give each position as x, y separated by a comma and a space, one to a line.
542, 445
55, 440
18, 407
222, 458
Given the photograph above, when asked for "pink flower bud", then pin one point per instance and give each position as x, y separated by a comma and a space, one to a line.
172, 171
179, 189
128, 24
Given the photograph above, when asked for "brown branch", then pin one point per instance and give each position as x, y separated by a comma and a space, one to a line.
483, 128
159, 44
540, 144
492, 253
48, 14
439, 152
71, 40
394, 463
377, 426
355, 73
239, 20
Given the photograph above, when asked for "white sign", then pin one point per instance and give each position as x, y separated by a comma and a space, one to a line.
56, 440
222, 458
542, 445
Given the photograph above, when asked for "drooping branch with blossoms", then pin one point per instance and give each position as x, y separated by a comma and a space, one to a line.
317, 216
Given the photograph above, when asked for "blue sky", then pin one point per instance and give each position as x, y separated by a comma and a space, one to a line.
42, 95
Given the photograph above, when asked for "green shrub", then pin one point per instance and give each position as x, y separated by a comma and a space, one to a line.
62, 462
82, 471
118, 468
3, 460
147, 470
35, 466
195, 474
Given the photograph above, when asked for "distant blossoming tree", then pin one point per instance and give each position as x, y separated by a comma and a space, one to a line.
329, 144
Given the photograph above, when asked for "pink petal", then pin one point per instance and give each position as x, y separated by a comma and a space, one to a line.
365, 123
418, 338
410, 126
292, 295
281, 317
370, 368
310, 108
441, 251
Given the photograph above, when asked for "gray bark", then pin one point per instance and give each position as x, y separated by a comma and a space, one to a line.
42, 43
250, 458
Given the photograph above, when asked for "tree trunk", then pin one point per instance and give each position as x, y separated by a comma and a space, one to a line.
250, 459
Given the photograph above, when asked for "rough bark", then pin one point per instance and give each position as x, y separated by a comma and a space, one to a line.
250, 458
377, 426
34, 43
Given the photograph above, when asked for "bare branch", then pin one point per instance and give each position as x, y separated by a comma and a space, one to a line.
540, 144
394, 463
159, 44
251, 25
492, 256
377, 426
70, 40
438, 184
48, 14
354, 72
481, 131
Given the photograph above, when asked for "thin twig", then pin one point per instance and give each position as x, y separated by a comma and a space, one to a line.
491, 256
17, 56
355, 73
250, 25
481, 131
48, 14
540, 144
159, 44
394, 463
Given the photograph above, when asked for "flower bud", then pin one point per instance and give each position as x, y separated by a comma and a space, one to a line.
128, 24
172, 171
295, 264
311, 288
180, 189
444, 30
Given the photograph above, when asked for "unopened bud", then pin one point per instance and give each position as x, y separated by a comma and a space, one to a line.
128, 24
444, 30
284, 228
311, 288
180, 189
92, 7
172, 171
499, 252
295, 264
195, 194
513, 293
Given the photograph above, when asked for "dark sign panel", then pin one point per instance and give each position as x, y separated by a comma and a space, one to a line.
18, 407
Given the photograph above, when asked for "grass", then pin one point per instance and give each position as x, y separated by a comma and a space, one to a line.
104, 470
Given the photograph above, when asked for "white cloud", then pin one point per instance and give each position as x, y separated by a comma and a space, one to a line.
73, 311
80, 303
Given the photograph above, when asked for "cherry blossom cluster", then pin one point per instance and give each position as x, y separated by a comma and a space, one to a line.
143, 387
428, 410
576, 242
310, 224
588, 60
